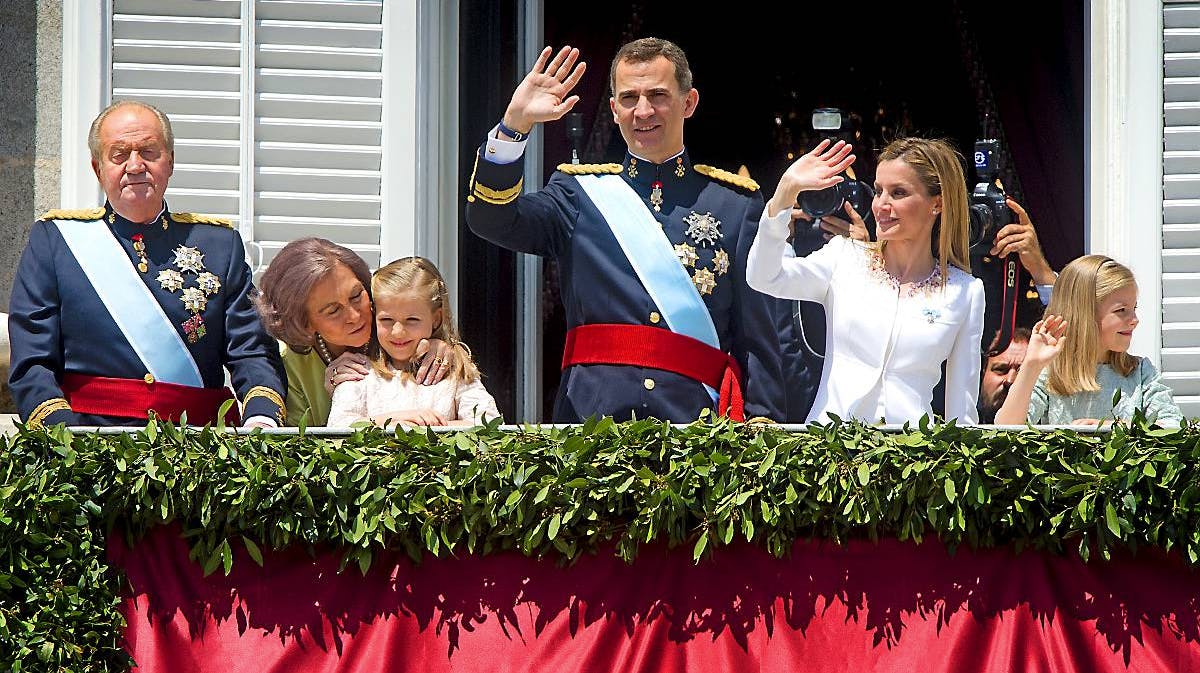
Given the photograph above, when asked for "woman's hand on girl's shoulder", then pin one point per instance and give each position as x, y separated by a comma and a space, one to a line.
1046, 341
437, 358
348, 366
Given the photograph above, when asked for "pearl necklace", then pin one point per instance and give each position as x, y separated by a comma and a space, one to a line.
323, 351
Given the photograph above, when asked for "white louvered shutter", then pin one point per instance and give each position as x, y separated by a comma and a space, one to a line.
304, 108
1181, 205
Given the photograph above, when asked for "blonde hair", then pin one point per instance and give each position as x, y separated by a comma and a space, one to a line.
417, 275
939, 167
1080, 288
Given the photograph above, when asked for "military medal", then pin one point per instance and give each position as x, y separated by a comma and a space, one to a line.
193, 299
703, 229
656, 195
209, 283
170, 280
140, 248
705, 281
679, 169
721, 262
686, 254
189, 259
632, 170
194, 328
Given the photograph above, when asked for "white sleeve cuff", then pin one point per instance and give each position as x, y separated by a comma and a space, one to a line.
778, 227
501, 150
261, 419
1044, 292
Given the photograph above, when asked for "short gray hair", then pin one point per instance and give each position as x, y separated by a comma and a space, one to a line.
164, 124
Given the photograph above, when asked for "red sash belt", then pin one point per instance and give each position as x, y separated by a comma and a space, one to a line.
643, 346
135, 398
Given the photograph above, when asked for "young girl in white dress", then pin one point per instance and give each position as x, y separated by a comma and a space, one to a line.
411, 305
897, 309
1078, 356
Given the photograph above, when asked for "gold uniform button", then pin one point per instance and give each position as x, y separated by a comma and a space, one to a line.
655, 317
148, 378
649, 383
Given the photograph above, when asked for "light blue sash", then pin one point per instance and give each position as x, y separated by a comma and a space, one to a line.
653, 258
130, 303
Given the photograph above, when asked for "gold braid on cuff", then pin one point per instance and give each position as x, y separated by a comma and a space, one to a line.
499, 197
270, 395
43, 411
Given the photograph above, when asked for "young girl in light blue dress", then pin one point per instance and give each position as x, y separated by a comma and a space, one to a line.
1078, 357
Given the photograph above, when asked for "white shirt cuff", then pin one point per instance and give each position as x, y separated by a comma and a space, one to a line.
261, 419
501, 150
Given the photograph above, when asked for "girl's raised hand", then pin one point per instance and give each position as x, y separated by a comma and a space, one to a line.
1046, 341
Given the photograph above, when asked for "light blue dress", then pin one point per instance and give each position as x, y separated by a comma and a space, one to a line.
1142, 389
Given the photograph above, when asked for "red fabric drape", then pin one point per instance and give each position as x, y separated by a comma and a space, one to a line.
889, 606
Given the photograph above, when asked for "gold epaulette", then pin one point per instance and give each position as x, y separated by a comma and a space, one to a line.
734, 179
193, 218
590, 169
80, 214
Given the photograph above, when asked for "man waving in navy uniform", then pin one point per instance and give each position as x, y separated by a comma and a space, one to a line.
128, 309
652, 251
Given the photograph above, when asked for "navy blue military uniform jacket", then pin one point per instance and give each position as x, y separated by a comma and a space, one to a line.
58, 324
600, 286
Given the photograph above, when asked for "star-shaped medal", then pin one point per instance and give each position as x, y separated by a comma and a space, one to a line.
170, 280
189, 259
705, 281
686, 254
193, 300
703, 229
721, 262
209, 283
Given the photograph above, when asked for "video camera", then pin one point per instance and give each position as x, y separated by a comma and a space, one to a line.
989, 213
834, 126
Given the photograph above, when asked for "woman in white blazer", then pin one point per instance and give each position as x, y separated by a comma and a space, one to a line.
896, 309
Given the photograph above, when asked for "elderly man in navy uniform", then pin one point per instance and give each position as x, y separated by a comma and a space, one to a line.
129, 309
652, 251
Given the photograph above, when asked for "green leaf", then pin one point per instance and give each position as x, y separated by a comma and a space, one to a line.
226, 556
698, 550
552, 529
864, 473
766, 463
253, 550
1110, 517
948, 487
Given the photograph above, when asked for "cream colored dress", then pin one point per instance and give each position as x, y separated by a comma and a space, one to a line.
884, 347
376, 396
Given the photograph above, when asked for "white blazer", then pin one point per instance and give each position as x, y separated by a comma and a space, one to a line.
884, 349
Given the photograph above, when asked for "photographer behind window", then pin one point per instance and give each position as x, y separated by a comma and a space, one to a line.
999, 228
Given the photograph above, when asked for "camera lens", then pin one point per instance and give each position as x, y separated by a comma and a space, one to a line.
822, 203
981, 224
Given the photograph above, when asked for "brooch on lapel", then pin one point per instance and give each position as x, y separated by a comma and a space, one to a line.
931, 314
